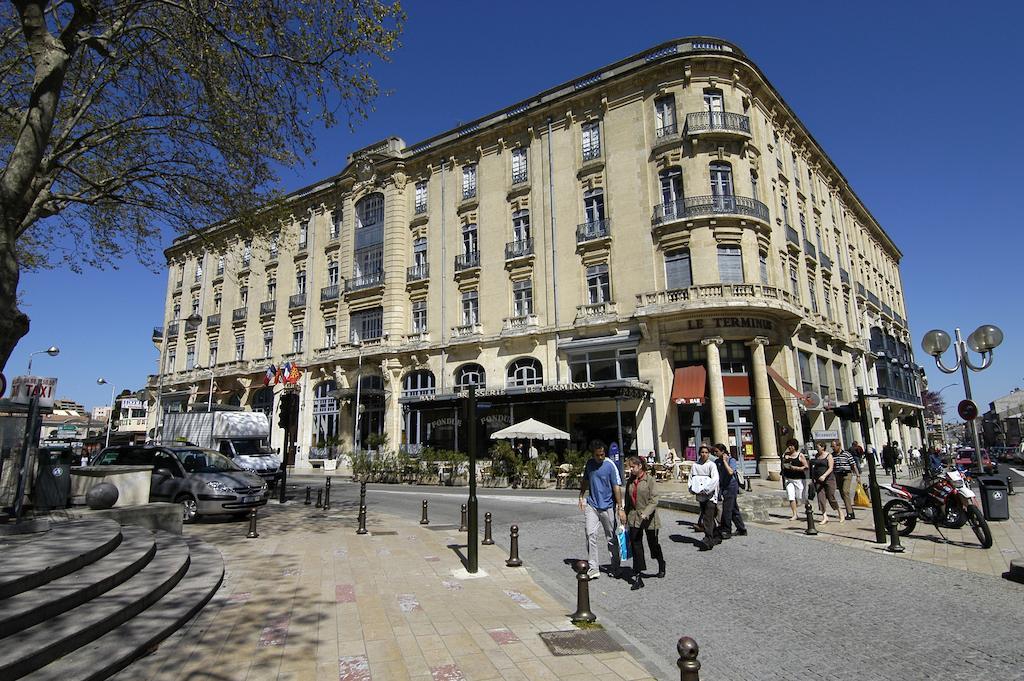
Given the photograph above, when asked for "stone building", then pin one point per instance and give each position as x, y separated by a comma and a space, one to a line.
657, 253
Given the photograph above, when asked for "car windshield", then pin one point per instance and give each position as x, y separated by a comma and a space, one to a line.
248, 448
204, 461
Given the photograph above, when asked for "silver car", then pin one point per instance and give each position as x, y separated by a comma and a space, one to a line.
203, 481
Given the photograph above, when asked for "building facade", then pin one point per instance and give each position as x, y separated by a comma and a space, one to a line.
657, 253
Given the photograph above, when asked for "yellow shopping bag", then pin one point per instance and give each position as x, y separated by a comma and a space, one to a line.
860, 498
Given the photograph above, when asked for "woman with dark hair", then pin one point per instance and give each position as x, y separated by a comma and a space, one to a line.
823, 477
641, 517
794, 475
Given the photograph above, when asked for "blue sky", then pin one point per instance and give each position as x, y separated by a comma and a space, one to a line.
918, 105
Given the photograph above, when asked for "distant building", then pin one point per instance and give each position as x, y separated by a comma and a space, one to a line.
64, 404
1003, 424
101, 413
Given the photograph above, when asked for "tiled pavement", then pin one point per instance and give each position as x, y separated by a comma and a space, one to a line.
309, 599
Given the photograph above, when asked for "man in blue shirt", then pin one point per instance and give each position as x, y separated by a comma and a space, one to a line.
601, 503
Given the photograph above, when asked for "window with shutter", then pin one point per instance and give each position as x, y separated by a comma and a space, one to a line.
730, 264
677, 270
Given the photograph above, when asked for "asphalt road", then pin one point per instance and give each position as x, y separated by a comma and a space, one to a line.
767, 606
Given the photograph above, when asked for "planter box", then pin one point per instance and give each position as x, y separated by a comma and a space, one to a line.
494, 482
533, 483
330, 464
457, 481
428, 479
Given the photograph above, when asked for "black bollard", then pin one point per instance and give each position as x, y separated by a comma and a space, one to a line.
362, 493
362, 520
583, 612
282, 484
423, 519
689, 666
252, 525
327, 495
894, 537
1009, 485
810, 518
462, 523
513, 554
309, 491
320, 498
487, 530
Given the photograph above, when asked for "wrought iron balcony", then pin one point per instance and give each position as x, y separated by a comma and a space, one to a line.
420, 208
844, 276
213, 320
592, 153
520, 177
899, 319
468, 193
190, 326
303, 244
297, 300
518, 249
466, 261
705, 206
329, 293
417, 272
365, 281
172, 329
246, 261
272, 255
239, 314
861, 291
158, 333
219, 271
596, 229
873, 299
267, 308
665, 131
896, 394
826, 262
809, 249
179, 284
887, 310
717, 121
792, 237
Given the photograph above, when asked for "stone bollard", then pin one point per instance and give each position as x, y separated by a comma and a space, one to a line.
423, 519
513, 554
583, 612
689, 665
810, 518
252, 525
462, 523
894, 537
320, 498
487, 530
327, 495
309, 491
362, 520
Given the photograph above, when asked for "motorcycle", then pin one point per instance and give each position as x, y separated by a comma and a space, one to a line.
946, 501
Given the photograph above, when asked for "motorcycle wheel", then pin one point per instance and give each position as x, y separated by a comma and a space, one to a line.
955, 517
979, 526
907, 523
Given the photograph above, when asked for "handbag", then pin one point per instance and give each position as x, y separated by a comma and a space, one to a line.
625, 553
860, 498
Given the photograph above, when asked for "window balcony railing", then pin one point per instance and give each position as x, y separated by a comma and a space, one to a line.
213, 320
190, 326
296, 300
303, 244
668, 301
468, 193
172, 329
272, 255
809, 249
417, 272
792, 237
596, 229
328, 293
239, 314
596, 310
246, 261
826, 262
158, 334
897, 394
520, 177
467, 261
267, 307
365, 281
899, 319
419, 208
219, 272
520, 322
665, 131
717, 121
887, 310
873, 299
592, 153
705, 206
334, 235
179, 284
861, 291
518, 249
844, 276
466, 330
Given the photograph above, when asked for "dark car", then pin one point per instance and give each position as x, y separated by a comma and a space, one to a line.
203, 481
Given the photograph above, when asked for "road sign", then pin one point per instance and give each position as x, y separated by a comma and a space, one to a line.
24, 388
967, 409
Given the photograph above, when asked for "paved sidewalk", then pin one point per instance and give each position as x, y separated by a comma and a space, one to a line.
309, 599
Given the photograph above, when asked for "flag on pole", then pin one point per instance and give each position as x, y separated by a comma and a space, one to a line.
294, 374
269, 376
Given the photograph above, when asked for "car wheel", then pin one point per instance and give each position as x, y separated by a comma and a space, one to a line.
189, 507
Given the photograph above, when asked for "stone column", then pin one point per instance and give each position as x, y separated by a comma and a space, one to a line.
769, 451
719, 419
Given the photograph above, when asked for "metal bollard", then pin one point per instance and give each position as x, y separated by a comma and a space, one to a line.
423, 519
362, 520
583, 612
689, 665
362, 493
513, 554
894, 537
252, 525
309, 491
462, 523
487, 530
320, 498
327, 495
810, 518
282, 484
1009, 485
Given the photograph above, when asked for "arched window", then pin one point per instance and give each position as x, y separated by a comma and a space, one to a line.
325, 414
263, 401
470, 374
525, 371
370, 211
418, 383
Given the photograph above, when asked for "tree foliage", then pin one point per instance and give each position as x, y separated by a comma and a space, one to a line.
121, 118
934, 403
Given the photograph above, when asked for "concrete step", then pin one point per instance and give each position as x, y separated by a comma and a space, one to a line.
753, 506
66, 547
120, 647
49, 600
37, 646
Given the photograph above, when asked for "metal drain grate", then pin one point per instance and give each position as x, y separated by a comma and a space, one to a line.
442, 527
384, 533
579, 642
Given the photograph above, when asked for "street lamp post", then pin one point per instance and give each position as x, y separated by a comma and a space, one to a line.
984, 340
356, 440
52, 351
110, 416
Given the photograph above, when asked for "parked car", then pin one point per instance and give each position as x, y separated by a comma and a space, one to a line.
203, 481
965, 458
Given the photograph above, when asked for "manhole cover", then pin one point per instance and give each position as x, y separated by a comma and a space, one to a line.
384, 533
442, 527
579, 642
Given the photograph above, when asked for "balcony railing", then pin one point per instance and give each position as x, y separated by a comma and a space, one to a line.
267, 307
844, 276
420, 208
664, 131
596, 310
190, 326
172, 329
520, 322
239, 314
887, 310
518, 249
861, 291
597, 229
592, 153
717, 121
873, 299
467, 261
899, 319
704, 206
365, 281
792, 236
896, 394
809, 249
417, 272
297, 300
329, 293
649, 302
466, 330
468, 193
826, 262
520, 177
213, 320
158, 333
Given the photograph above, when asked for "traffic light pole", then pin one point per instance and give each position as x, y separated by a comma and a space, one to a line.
876, 495
472, 540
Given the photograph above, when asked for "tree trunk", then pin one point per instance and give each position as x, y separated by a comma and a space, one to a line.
13, 322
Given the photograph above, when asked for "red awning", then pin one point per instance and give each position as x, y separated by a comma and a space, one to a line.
688, 385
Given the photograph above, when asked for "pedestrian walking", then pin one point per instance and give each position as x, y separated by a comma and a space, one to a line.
794, 476
704, 484
729, 485
600, 497
889, 459
845, 468
824, 480
858, 453
641, 517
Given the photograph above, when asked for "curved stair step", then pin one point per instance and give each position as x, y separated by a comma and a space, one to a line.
37, 646
116, 650
66, 547
29, 608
